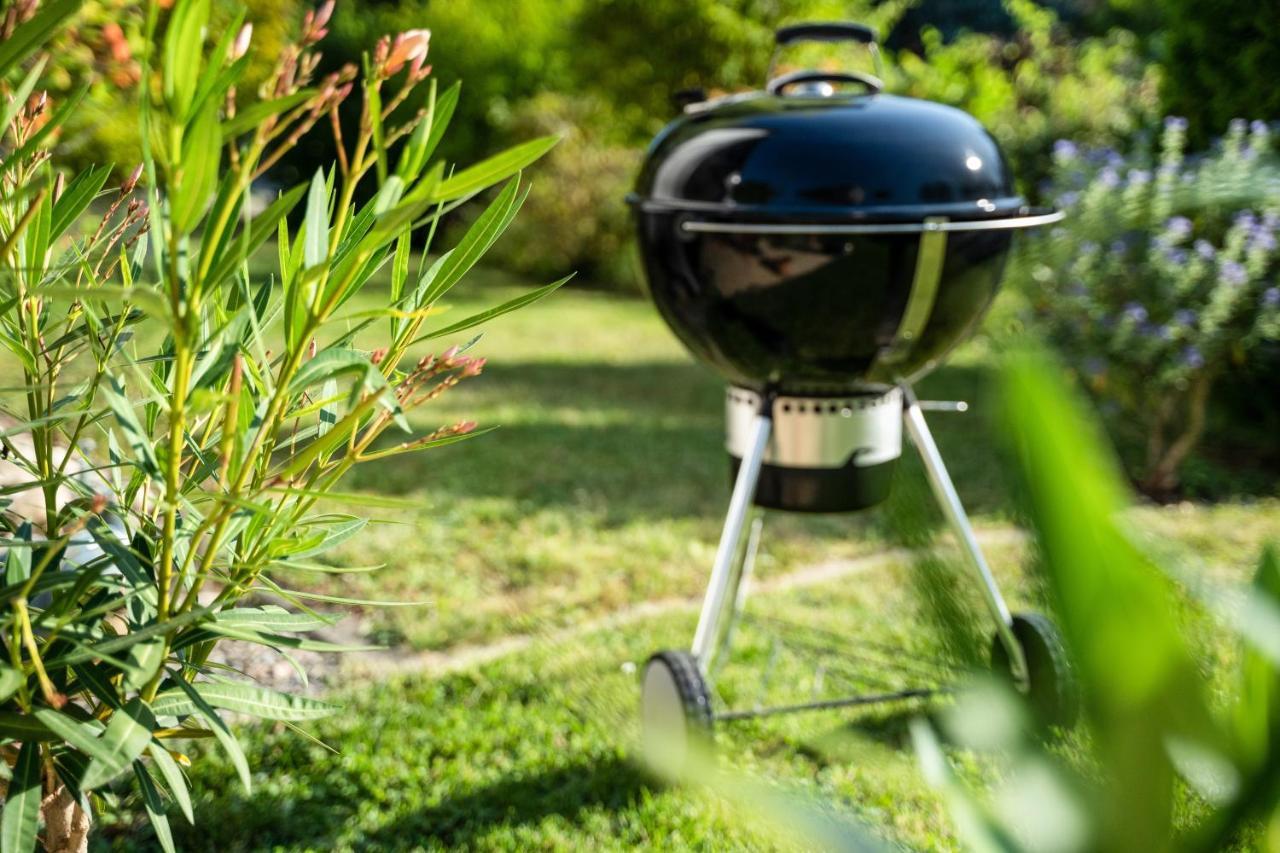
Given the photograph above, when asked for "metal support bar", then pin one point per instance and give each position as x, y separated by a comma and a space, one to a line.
828, 704
722, 571
943, 405
741, 581
945, 492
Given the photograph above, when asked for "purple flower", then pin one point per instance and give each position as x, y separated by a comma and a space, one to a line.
1175, 123
1119, 247
1136, 312
1237, 125
1137, 177
1164, 333
1262, 240
1068, 199
1184, 317
1065, 150
1178, 227
1258, 126
1233, 273
1192, 358
1205, 250
1175, 256
1245, 219
1271, 297
1088, 247
1109, 178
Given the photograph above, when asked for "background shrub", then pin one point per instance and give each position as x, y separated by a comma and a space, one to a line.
1221, 61
1162, 281
575, 217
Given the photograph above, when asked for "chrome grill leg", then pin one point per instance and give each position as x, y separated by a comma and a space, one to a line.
725, 575
945, 493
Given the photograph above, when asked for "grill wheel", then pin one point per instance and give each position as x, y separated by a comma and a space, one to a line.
675, 713
1052, 690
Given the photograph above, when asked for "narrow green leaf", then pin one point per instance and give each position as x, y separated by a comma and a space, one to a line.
488, 172
284, 641
36, 140
441, 114
201, 159
254, 114
183, 51
496, 311
173, 778
18, 99
231, 746
154, 806
271, 617
221, 731
261, 229
77, 195
28, 37
22, 804
473, 245
10, 681
241, 699
18, 560
316, 240
23, 727
127, 735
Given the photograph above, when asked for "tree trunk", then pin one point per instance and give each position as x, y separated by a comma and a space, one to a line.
66, 824
1162, 477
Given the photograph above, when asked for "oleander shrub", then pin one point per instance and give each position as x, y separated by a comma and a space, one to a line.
1164, 278
224, 406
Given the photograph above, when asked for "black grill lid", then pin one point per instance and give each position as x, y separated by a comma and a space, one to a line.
846, 157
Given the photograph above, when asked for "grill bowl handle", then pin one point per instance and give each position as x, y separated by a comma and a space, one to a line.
826, 32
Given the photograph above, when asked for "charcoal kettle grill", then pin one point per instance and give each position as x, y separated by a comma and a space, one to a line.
822, 245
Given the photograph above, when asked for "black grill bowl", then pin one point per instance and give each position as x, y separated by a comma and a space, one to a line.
813, 314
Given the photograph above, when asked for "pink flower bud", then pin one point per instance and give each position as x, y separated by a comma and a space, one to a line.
324, 13
241, 45
464, 427
409, 47
448, 354
474, 367
132, 180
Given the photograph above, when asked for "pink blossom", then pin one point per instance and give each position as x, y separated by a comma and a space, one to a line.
409, 47
241, 45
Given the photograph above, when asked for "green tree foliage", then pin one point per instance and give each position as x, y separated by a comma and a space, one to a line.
1040, 86
1221, 63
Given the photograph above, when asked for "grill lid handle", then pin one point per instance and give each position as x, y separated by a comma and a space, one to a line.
780, 84
834, 31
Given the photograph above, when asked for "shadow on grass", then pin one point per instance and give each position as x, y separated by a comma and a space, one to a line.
565, 792
640, 441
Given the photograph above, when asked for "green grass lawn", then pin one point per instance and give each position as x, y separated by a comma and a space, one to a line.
604, 486
535, 751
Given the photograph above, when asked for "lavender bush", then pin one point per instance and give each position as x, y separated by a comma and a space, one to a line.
1165, 274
